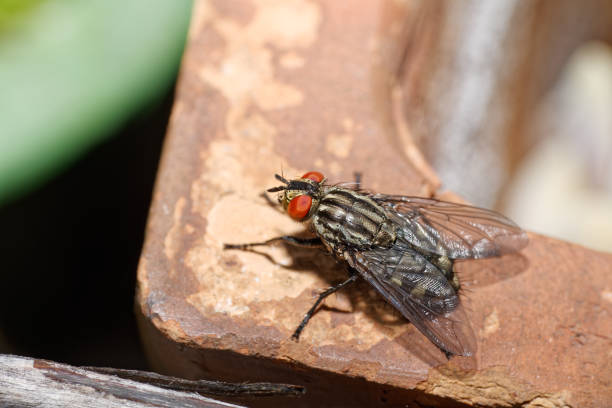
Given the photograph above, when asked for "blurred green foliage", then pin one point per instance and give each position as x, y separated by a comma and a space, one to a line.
73, 71
12, 10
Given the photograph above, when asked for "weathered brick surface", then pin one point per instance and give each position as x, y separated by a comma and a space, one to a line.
299, 85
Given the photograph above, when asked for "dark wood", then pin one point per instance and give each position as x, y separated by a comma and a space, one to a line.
27, 382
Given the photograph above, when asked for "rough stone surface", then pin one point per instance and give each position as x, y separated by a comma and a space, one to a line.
296, 85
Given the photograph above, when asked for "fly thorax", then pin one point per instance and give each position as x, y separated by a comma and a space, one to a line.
345, 218
386, 234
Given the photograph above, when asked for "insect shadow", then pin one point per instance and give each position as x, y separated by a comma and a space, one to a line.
361, 295
476, 273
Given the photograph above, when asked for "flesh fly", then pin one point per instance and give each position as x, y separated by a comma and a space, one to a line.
403, 246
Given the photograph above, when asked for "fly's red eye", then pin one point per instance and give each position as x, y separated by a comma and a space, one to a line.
314, 176
298, 207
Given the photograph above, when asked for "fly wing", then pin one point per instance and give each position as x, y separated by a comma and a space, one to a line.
454, 230
419, 290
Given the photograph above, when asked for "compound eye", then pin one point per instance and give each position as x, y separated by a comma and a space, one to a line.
314, 176
299, 207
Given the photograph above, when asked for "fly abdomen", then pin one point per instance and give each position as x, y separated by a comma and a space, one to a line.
347, 218
416, 275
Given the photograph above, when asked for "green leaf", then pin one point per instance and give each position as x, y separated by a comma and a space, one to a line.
72, 72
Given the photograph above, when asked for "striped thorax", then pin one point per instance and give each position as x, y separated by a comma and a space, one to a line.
347, 218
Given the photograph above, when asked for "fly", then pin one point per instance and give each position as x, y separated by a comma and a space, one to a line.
403, 246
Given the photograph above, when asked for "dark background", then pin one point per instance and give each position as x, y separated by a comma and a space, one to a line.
71, 250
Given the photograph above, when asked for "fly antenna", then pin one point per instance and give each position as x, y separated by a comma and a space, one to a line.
281, 179
280, 188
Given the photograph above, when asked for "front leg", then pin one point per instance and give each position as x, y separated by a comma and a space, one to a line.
352, 278
295, 241
272, 203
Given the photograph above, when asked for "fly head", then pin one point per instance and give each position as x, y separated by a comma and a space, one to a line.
300, 197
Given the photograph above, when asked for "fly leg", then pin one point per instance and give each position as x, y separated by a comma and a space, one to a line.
295, 241
323, 295
271, 202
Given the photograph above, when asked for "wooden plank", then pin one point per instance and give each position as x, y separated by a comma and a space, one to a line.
28, 382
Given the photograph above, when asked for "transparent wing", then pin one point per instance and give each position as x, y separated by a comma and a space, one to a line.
419, 290
454, 230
